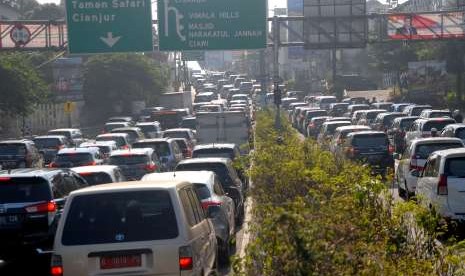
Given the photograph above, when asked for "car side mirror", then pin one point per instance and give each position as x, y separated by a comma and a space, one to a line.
60, 202
213, 211
416, 173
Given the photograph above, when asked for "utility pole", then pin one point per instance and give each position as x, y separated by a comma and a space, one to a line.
277, 91
263, 79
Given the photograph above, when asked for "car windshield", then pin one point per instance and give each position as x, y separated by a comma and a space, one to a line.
73, 159
176, 134
12, 149
220, 169
47, 143
227, 153
439, 125
455, 167
120, 142
202, 191
96, 178
161, 148
370, 140
24, 189
61, 133
120, 217
423, 151
129, 159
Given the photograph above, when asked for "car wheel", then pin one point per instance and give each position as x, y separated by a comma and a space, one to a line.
224, 253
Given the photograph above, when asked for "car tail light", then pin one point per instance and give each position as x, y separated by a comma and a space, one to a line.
150, 167
442, 185
207, 203
53, 165
93, 163
4, 179
56, 268
85, 173
125, 147
45, 207
59, 147
185, 258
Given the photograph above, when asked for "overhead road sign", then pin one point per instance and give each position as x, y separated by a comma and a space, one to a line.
335, 24
212, 24
105, 26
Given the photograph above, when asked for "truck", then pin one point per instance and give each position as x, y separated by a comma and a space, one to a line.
223, 127
176, 100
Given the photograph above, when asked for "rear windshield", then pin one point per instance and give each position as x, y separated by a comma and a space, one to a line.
120, 142
132, 134
455, 167
202, 99
440, 114
129, 160
227, 153
182, 144
148, 128
176, 134
47, 143
372, 115
188, 124
316, 114
61, 133
220, 170
327, 100
331, 128
120, 217
96, 178
161, 148
73, 158
109, 128
24, 189
202, 191
437, 125
387, 120
407, 123
370, 140
423, 151
12, 149
416, 111
356, 108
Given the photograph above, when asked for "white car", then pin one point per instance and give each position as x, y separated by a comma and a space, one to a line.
442, 184
102, 174
210, 192
135, 228
413, 160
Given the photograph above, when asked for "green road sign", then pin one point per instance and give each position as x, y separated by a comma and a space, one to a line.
102, 26
212, 24
193, 55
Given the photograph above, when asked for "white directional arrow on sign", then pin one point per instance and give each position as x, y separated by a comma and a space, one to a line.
110, 40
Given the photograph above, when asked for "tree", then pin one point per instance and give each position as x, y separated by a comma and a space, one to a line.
112, 82
47, 12
453, 52
20, 84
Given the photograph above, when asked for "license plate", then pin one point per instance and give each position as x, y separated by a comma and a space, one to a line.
7, 220
120, 261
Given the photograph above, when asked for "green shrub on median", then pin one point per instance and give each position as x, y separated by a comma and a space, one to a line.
314, 215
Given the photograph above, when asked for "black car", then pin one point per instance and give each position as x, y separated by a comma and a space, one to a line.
19, 154
371, 148
227, 175
30, 205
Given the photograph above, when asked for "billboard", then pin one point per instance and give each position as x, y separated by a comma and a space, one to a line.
426, 26
427, 76
335, 24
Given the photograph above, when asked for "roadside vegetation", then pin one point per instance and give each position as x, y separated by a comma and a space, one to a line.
315, 215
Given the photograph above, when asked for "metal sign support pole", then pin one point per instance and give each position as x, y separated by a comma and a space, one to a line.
277, 92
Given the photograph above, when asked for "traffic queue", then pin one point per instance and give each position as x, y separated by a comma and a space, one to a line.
159, 193
424, 146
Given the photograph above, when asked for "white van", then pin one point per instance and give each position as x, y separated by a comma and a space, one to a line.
134, 228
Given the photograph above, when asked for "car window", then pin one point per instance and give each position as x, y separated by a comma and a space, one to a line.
128, 159
455, 167
187, 206
369, 140
217, 187
213, 152
439, 125
198, 211
48, 143
460, 133
12, 149
431, 169
423, 151
73, 159
161, 148
24, 189
120, 217
96, 178
202, 191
